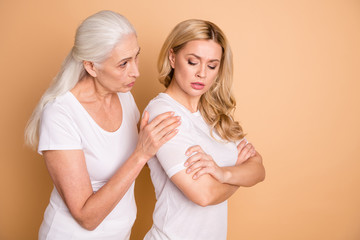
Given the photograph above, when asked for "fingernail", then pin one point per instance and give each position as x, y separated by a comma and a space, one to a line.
188, 170
186, 164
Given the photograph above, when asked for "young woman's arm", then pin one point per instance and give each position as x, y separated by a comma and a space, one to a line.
246, 174
248, 171
68, 171
204, 191
205, 183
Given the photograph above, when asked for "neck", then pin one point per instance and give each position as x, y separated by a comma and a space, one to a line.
89, 90
189, 102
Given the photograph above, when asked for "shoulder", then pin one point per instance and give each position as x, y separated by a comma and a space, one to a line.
161, 104
61, 109
59, 105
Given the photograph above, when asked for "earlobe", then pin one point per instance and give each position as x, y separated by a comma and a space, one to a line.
172, 58
90, 68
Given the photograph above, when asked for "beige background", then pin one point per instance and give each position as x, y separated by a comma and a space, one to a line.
297, 87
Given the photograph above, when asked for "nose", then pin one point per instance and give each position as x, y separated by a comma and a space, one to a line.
201, 73
134, 71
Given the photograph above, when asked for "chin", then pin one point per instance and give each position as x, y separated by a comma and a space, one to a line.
124, 89
196, 93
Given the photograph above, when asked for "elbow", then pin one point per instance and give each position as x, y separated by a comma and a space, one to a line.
87, 223
204, 202
262, 174
260, 177
204, 199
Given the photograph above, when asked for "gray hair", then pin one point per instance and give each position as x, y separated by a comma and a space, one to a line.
95, 38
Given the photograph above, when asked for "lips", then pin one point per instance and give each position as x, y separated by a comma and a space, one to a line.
131, 84
197, 85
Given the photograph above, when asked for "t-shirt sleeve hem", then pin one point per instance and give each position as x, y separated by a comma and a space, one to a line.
175, 169
58, 147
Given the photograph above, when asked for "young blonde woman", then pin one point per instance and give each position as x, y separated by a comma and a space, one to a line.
85, 126
195, 172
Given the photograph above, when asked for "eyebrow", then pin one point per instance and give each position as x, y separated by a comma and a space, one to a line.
128, 58
193, 54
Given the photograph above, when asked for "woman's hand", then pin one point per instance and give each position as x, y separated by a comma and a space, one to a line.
201, 163
154, 134
245, 151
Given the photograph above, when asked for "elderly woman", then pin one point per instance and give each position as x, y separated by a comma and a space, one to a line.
192, 183
85, 126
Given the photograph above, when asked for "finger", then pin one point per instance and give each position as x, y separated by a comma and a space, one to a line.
253, 153
196, 157
200, 164
144, 120
193, 149
168, 136
164, 127
244, 151
167, 126
160, 118
252, 148
241, 145
201, 172
248, 155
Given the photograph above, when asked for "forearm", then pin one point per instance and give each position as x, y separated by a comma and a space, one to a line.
246, 174
98, 205
203, 191
219, 192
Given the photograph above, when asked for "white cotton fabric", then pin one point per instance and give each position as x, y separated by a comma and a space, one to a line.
176, 217
66, 125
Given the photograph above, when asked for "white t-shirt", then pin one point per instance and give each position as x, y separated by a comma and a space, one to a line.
175, 216
65, 125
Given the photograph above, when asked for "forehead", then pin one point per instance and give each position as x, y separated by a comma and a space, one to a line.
207, 49
127, 47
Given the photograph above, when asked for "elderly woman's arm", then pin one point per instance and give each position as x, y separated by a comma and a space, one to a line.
68, 171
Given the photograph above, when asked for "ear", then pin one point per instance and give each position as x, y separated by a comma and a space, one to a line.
172, 58
90, 68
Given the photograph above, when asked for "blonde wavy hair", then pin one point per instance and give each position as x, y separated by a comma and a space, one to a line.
217, 105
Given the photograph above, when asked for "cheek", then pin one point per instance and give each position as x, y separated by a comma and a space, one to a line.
183, 71
115, 75
212, 75
211, 79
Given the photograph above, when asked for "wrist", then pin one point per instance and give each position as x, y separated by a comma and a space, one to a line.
141, 157
226, 175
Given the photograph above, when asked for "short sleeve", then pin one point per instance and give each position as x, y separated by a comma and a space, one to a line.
57, 130
171, 155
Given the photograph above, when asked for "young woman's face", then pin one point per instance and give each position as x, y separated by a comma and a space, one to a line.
196, 67
120, 70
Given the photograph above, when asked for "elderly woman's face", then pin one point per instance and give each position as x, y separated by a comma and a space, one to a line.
119, 72
196, 67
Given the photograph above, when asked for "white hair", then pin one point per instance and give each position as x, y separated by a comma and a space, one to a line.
95, 38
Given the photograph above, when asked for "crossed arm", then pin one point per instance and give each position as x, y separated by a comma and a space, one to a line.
205, 183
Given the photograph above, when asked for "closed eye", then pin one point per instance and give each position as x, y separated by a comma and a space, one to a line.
191, 63
212, 67
123, 64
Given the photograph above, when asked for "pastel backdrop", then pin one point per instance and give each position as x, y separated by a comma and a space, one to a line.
296, 84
